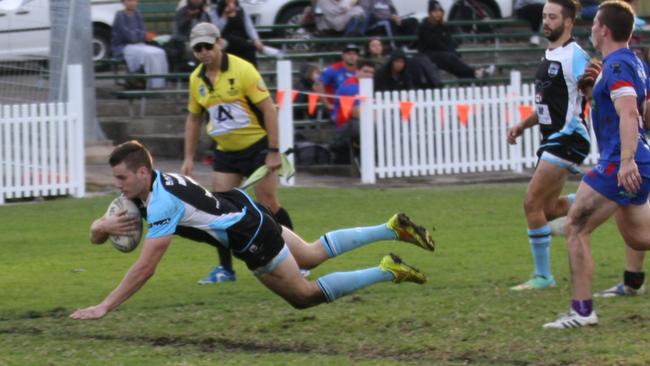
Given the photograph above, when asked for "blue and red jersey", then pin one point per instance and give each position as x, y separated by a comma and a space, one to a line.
334, 76
349, 88
623, 75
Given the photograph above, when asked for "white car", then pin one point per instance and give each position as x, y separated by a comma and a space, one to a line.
25, 29
274, 12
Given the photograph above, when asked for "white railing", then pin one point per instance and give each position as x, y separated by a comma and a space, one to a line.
42, 146
449, 131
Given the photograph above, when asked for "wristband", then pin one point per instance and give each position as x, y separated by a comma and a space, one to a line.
272, 149
627, 154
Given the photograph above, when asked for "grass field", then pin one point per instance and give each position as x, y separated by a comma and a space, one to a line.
464, 315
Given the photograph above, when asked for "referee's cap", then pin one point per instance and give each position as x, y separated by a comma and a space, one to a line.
204, 33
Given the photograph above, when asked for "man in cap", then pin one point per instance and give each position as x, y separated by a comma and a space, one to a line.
333, 76
243, 122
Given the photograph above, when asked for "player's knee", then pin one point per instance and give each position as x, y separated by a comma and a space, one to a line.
531, 204
305, 298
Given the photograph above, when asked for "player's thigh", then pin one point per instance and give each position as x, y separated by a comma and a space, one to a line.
589, 210
266, 191
222, 182
634, 224
286, 281
307, 255
547, 182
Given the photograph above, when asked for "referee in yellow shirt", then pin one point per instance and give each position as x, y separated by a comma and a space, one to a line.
243, 122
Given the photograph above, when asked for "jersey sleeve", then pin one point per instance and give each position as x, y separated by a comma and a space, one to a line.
620, 80
254, 86
580, 62
193, 105
163, 215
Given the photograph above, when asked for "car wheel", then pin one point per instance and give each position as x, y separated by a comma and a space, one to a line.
101, 44
293, 16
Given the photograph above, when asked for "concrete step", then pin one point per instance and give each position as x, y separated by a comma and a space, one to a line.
123, 128
171, 145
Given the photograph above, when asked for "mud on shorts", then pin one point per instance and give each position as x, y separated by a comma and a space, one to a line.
602, 178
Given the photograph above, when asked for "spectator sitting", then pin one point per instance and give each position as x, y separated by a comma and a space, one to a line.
395, 74
333, 76
531, 12
382, 14
309, 74
127, 42
375, 51
340, 16
238, 30
435, 41
178, 51
348, 126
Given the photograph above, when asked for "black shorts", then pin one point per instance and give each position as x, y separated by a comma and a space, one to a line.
265, 246
243, 162
254, 242
573, 148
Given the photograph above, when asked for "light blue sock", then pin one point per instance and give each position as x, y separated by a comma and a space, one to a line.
540, 245
572, 198
338, 284
341, 241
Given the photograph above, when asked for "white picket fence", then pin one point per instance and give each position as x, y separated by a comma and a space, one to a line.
42, 146
433, 141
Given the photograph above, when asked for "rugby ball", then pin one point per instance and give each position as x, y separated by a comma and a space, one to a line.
125, 243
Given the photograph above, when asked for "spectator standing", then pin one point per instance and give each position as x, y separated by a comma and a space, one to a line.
435, 41
128, 37
531, 12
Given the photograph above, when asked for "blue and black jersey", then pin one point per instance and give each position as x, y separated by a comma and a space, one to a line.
558, 103
178, 205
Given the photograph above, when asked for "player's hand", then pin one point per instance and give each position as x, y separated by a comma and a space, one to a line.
90, 313
120, 224
273, 161
514, 132
188, 165
588, 79
628, 176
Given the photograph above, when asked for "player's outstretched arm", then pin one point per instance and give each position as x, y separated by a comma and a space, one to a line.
119, 224
135, 278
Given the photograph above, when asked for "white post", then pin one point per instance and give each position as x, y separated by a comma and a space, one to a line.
367, 132
516, 161
286, 113
76, 112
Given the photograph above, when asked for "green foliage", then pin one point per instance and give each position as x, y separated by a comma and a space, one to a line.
464, 315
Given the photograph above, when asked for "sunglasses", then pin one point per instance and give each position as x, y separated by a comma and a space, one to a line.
198, 47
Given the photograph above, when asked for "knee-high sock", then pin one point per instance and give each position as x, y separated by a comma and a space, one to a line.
540, 244
340, 241
225, 257
338, 284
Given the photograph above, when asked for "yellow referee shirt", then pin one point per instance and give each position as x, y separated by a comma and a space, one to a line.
235, 122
